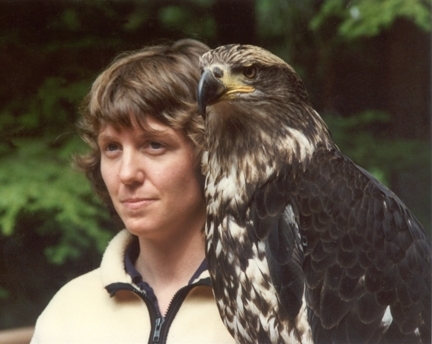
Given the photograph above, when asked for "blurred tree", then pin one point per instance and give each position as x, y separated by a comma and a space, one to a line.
367, 18
367, 71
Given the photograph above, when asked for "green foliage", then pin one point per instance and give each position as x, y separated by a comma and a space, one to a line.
361, 138
37, 179
285, 36
183, 19
366, 18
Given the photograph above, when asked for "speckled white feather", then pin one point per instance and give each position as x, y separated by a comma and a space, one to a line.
255, 271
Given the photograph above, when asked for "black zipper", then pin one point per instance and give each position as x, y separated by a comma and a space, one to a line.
157, 329
173, 307
156, 319
159, 325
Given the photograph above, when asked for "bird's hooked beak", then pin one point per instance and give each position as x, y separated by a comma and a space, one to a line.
210, 89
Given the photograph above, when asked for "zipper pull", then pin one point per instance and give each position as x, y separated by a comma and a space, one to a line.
157, 330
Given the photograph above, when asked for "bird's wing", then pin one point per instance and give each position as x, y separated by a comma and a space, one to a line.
367, 262
275, 222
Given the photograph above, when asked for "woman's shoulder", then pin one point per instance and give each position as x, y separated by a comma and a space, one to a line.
78, 291
82, 311
89, 288
87, 282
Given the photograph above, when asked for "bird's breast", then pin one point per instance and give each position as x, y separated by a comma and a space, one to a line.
245, 290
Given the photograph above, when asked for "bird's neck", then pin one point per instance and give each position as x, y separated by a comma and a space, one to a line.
233, 176
246, 148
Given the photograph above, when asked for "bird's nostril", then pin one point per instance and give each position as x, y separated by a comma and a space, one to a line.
218, 73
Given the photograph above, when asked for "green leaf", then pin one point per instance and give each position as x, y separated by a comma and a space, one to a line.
38, 180
367, 18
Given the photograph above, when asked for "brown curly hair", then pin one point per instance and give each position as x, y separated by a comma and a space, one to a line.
158, 81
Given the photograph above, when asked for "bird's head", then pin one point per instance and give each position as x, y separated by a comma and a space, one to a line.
245, 72
255, 106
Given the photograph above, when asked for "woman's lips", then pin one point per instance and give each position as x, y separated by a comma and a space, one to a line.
137, 203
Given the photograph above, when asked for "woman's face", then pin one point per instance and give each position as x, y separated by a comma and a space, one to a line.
152, 178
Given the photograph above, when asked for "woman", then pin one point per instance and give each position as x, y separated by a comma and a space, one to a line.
140, 120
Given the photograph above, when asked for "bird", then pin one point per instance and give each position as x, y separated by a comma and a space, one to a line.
302, 244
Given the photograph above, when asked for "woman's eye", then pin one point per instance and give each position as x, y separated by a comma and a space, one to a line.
111, 147
250, 72
155, 148
156, 145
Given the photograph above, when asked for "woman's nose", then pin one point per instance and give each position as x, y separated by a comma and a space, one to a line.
131, 170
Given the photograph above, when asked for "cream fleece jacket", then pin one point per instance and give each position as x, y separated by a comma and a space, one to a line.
84, 312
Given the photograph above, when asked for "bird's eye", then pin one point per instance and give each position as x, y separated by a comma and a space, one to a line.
250, 72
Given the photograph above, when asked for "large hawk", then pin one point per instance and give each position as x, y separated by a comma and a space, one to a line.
302, 244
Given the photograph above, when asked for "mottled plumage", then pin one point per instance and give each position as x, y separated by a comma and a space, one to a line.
302, 244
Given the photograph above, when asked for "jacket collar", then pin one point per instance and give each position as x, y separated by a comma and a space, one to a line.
113, 262
112, 265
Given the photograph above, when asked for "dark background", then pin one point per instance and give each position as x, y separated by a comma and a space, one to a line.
366, 66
